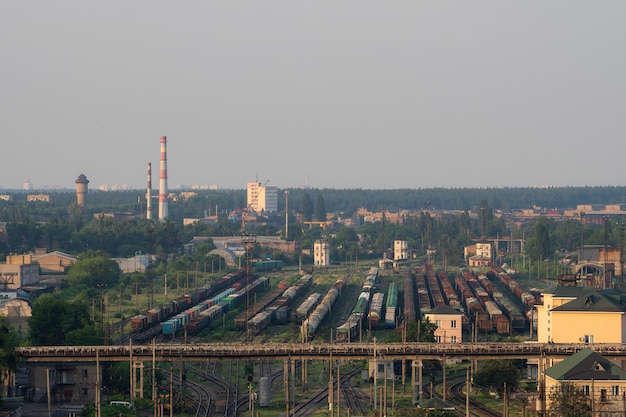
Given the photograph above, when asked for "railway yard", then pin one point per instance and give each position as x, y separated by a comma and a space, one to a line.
337, 306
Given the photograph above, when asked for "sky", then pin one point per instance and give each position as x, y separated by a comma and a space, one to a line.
330, 94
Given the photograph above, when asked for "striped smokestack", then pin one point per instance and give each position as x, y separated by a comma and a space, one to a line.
149, 193
163, 180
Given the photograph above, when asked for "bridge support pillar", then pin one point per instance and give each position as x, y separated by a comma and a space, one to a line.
138, 369
416, 381
305, 376
286, 373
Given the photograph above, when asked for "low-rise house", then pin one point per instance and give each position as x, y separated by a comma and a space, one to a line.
449, 324
595, 375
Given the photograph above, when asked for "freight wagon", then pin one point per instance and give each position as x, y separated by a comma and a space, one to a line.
376, 310
351, 328
162, 313
307, 307
391, 305
313, 322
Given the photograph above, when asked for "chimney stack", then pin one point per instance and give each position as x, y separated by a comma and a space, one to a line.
163, 181
149, 193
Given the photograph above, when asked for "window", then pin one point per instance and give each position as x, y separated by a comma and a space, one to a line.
438, 323
585, 389
615, 390
453, 324
85, 374
602, 395
84, 391
381, 368
438, 339
453, 339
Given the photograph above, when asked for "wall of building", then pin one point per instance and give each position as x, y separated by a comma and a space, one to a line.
572, 327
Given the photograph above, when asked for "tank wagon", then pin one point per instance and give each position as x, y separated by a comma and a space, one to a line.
307, 307
313, 322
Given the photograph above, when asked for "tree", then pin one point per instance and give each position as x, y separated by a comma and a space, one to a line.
307, 208
568, 400
539, 245
492, 374
418, 331
320, 209
57, 322
94, 268
9, 340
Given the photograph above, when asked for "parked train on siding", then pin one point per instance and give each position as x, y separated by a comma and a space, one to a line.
143, 322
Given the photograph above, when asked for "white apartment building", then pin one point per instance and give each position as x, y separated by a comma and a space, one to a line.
262, 198
400, 250
484, 250
321, 253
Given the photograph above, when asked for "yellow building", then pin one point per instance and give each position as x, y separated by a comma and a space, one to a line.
596, 376
582, 315
18, 271
53, 262
448, 322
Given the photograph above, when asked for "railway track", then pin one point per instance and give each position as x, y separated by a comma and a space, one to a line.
352, 399
455, 396
194, 397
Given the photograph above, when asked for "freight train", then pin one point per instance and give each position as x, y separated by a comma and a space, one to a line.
307, 307
409, 314
206, 312
352, 327
376, 310
311, 325
141, 323
279, 310
391, 305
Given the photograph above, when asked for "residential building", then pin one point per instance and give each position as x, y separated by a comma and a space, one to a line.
479, 254
449, 324
596, 376
69, 382
261, 197
321, 253
38, 197
400, 250
582, 315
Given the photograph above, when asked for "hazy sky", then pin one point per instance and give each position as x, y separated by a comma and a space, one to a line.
349, 94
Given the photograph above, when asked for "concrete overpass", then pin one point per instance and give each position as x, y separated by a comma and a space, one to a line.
310, 351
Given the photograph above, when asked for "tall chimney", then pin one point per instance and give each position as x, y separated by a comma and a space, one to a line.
149, 193
163, 181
